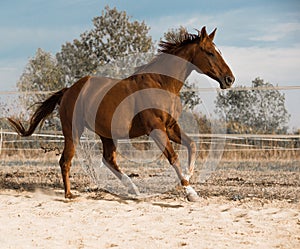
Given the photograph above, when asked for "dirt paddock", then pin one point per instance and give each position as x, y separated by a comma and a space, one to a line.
241, 206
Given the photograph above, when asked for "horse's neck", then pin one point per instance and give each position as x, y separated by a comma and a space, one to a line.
178, 67
173, 69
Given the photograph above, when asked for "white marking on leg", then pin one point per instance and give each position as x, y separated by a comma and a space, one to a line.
187, 177
132, 188
190, 191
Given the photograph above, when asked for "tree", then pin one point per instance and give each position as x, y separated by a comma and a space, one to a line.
113, 36
261, 110
42, 73
175, 34
4, 113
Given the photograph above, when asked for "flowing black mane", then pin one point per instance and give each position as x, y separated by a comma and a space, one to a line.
170, 47
176, 42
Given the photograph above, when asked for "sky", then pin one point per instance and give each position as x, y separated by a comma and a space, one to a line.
258, 38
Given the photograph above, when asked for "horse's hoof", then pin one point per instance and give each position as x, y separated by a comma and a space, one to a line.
191, 194
134, 191
193, 198
70, 196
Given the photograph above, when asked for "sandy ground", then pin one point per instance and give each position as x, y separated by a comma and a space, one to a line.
44, 219
244, 205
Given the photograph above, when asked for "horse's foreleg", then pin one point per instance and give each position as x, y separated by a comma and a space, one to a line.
162, 140
65, 165
178, 136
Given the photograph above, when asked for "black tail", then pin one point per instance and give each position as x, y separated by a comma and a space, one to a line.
43, 111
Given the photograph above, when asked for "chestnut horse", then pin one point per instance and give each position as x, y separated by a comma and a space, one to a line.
146, 103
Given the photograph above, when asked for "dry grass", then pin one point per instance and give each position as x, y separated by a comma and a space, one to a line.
235, 180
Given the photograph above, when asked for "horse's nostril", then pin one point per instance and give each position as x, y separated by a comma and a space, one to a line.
229, 79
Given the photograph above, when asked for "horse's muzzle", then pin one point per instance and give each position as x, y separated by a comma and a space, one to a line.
227, 82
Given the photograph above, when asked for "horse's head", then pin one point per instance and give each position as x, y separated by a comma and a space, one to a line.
208, 59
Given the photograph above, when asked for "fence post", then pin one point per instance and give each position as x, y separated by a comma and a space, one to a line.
1, 140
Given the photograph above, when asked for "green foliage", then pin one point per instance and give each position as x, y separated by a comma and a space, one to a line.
175, 34
261, 110
113, 36
195, 122
42, 73
4, 112
189, 98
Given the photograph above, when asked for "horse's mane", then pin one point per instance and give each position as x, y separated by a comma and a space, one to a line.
170, 47
176, 42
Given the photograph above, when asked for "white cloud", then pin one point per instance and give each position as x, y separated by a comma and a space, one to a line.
240, 26
279, 66
163, 24
277, 32
276, 65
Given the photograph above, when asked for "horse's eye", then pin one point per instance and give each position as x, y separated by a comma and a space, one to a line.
210, 53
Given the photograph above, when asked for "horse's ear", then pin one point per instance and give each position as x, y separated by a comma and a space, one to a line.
202, 34
212, 34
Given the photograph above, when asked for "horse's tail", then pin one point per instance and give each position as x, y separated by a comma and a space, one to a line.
44, 110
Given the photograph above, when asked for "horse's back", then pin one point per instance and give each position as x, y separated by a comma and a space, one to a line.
82, 99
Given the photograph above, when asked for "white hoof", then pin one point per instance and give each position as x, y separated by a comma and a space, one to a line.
191, 194
193, 198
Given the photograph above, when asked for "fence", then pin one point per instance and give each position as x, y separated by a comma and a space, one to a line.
252, 165
236, 147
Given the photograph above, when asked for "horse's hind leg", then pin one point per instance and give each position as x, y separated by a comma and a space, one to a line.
65, 165
109, 159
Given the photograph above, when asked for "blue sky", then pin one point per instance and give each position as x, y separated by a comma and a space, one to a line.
257, 38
